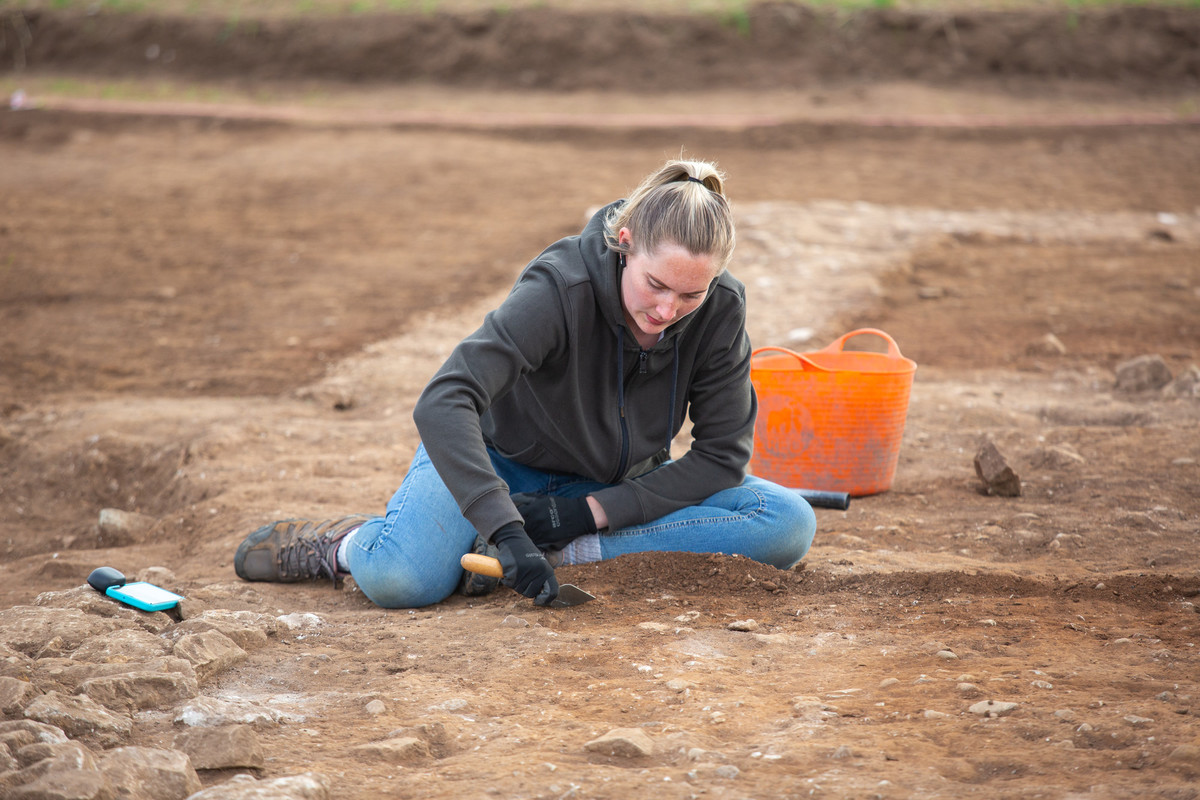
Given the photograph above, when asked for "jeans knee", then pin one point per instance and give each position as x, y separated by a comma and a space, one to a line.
398, 587
798, 527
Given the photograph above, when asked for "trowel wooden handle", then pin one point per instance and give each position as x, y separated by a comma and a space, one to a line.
482, 565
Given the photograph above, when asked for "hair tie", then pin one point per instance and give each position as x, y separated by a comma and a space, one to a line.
697, 180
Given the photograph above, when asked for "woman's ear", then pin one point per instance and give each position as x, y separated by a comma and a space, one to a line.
624, 236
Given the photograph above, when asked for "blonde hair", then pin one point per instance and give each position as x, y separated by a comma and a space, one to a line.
682, 203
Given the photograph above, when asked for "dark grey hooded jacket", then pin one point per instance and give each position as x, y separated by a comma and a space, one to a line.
555, 380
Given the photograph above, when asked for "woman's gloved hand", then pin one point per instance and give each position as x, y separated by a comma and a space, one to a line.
554, 522
525, 568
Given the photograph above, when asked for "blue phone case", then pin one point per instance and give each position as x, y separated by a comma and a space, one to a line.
145, 596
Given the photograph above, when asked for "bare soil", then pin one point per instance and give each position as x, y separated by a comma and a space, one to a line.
221, 321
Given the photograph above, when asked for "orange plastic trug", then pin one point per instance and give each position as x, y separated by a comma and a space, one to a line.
830, 420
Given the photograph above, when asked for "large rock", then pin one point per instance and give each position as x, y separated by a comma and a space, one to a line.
140, 690
221, 748
33, 630
308, 786
18, 733
150, 773
1186, 384
210, 652
122, 647
120, 528
1143, 374
397, 750
246, 629
213, 712
15, 694
14, 664
622, 743
88, 600
66, 676
81, 718
993, 470
60, 771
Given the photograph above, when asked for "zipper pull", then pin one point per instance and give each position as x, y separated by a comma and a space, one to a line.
642, 358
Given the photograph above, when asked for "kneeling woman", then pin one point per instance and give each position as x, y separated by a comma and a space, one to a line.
546, 434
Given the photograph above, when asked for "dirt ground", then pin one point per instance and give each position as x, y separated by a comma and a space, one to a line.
217, 321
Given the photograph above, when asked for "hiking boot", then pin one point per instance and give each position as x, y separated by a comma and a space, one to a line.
295, 550
473, 584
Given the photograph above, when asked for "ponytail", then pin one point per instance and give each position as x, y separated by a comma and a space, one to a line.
682, 203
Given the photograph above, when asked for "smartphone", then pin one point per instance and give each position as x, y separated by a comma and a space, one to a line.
145, 596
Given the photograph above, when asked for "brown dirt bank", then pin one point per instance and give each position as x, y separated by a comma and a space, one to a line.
772, 45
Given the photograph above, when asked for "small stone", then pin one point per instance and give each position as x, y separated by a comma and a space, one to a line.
375, 707
998, 477
1067, 715
1048, 345
931, 714
744, 625
1057, 457
727, 771
657, 627
1041, 684
843, 751
800, 335
993, 708
886, 682
622, 743
946, 655
968, 688
1142, 374
1136, 721
300, 622
512, 621
679, 685
453, 704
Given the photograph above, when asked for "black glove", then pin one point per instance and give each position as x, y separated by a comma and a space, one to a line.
554, 522
525, 568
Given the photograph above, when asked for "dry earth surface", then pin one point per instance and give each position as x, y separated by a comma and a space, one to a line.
215, 317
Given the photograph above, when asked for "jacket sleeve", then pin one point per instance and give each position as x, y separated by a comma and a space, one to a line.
514, 339
722, 409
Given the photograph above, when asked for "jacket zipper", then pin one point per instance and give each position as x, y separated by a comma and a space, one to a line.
623, 464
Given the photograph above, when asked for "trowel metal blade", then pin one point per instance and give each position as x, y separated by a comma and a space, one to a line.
570, 595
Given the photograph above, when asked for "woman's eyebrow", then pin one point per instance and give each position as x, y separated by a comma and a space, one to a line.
663, 285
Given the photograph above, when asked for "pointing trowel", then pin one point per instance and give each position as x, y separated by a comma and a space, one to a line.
568, 594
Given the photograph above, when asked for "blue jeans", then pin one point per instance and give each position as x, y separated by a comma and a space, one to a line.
409, 557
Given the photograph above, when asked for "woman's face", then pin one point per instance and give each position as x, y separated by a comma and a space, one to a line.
661, 287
